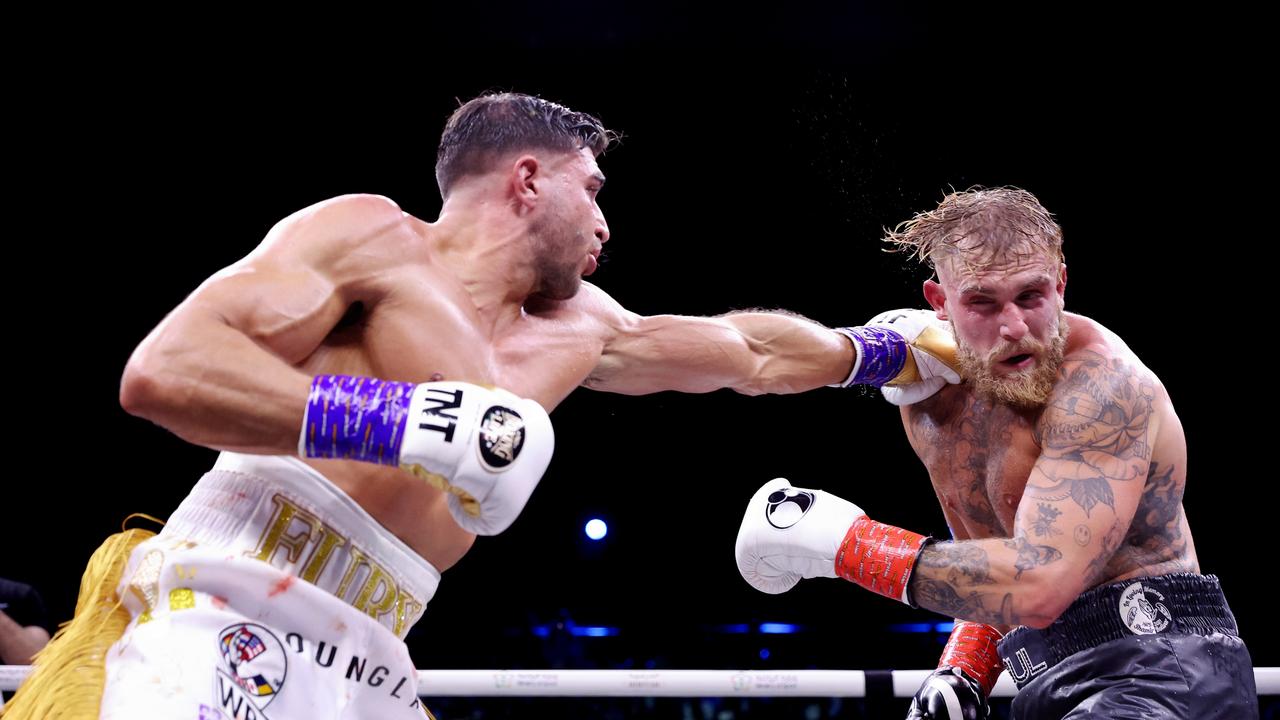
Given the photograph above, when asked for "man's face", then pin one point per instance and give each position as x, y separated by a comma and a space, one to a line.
1009, 326
570, 230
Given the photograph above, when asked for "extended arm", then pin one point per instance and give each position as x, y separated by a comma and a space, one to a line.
752, 353
755, 353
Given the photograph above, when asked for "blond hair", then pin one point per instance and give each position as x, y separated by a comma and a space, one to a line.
978, 228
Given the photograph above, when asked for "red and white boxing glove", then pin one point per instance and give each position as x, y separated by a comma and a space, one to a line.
959, 688
789, 533
909, 354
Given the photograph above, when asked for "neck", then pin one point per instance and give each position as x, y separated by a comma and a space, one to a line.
488, 251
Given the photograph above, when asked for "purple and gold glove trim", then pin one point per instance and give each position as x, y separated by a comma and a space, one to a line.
882, 353
355, 418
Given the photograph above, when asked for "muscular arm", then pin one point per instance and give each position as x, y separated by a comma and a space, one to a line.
218, 371
1077, 506
750, 352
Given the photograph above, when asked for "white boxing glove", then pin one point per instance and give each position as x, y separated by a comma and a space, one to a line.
486, 447
791, 533
926, 351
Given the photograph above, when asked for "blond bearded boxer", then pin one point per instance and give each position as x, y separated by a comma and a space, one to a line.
1060, 465
379, 386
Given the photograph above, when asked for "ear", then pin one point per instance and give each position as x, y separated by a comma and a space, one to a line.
937, 298
523, 180
1062, 279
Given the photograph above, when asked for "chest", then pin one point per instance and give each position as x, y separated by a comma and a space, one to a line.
979, 457
422, 332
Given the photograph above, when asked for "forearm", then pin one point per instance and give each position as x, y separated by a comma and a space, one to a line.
213, 386
789, 354
1000, 582
17, 643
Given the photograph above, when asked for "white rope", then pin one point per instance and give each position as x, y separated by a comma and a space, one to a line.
667, 683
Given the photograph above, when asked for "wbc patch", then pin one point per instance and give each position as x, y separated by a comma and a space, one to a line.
253, 671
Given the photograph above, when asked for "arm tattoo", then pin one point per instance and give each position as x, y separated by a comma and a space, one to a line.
1043, 523
963, 563
1029, 556
942, 597
1096, 428
1097, 570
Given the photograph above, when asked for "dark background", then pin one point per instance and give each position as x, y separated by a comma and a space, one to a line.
763, 153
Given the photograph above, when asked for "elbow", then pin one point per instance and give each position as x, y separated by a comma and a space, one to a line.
141, 388
1046, 600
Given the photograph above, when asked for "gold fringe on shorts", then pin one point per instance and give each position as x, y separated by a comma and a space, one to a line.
69, 673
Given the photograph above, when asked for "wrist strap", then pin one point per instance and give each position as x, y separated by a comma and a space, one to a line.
355, 418
879, 355
879, 557
972, 650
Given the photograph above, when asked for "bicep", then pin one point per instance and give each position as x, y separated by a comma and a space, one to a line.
288, 311
1084, 489
295, 287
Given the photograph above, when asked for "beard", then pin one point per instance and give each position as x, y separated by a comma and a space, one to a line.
1027, 389
558, 275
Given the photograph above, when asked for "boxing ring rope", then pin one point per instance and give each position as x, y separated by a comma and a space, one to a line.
672, 683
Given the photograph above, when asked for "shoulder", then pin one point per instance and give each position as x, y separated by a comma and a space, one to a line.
1103, 393
1096, 353
338, 224
592, 304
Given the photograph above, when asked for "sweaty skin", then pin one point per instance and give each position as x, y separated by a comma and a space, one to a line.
355, 286
1046, 503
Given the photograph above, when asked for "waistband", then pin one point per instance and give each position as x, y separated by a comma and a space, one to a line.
281, 511
1179, 603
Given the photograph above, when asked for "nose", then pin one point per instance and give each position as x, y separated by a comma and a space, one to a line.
602, 229
1012, 325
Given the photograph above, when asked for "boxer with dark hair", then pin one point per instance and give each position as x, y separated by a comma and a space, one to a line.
379, 388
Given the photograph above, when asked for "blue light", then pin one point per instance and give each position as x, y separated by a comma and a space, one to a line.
592, 631
736, 629
596, 529
764, 653
912, 627
541, 631
778, 628
945, 627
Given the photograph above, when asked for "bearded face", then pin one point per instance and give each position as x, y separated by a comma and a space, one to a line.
1027, 388
1009, 325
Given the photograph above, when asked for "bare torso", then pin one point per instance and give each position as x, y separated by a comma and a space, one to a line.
418, 323
979, 456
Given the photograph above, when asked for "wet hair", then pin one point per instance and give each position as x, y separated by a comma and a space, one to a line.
978, 228
486, 129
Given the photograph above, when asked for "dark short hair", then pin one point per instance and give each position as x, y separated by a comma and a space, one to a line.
490, 127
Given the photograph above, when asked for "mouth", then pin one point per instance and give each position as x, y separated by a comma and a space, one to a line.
1016, 363
593, 262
